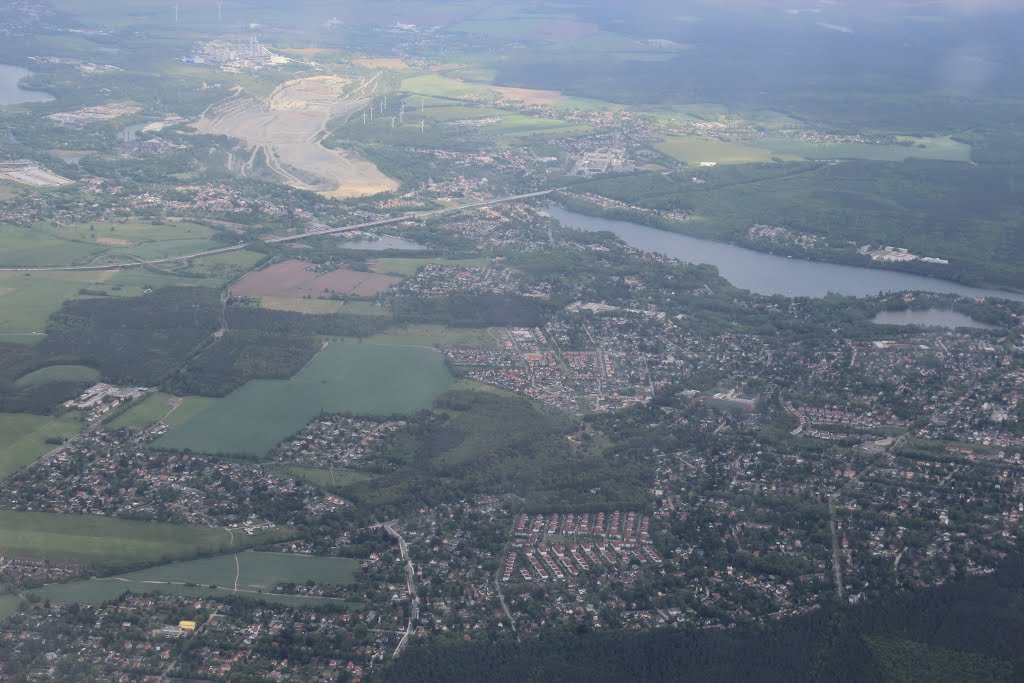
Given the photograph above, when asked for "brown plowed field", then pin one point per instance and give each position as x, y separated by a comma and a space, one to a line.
291, 279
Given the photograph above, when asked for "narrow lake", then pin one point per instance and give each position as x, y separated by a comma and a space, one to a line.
12, 93
929, 317
766, 273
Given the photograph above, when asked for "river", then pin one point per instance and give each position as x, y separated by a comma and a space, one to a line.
766, 273
12, 93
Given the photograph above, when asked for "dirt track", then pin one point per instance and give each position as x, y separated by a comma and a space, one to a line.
286, 130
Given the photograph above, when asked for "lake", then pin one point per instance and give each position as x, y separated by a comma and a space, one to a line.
766, 273
12, 93
929, 317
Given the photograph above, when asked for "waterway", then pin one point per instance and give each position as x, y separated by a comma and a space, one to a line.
929, 317
12, 93
766, 273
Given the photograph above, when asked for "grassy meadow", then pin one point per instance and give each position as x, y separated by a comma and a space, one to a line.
23, 438
28, 299
326, 476
257, 573
106, 541
407, 266
693, 150
58, 373
160, 407
47, 245
936, 149
434, 336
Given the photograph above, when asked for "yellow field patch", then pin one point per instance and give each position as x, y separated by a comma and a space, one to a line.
275, 303
383, 63
310, 51
530, 96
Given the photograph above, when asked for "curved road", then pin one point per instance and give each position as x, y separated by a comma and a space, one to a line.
277, 240
410, 582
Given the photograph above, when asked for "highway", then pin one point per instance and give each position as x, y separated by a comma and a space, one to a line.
133, 262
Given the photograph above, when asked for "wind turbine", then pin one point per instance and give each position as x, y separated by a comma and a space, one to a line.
421, 126
219, 16
175, 13
392, 121
364, 117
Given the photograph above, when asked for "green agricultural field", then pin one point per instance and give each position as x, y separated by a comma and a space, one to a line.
360, 378
58, 373
28, 299
160, 407
38, 247
132, 232
435, 336
408, 266
109, 542
23, 438
448, 112
938, 149
436, 85
694, 150
257, 575
47, 245
557, 129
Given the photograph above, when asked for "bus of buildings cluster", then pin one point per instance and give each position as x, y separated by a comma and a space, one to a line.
614, 540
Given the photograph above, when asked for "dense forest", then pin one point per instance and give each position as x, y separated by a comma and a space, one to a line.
17, 360
244, 317
473, 310
239, 356
475, 442
136, 340
970, 630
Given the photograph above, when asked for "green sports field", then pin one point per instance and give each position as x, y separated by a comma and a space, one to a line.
257, 575
363, 379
